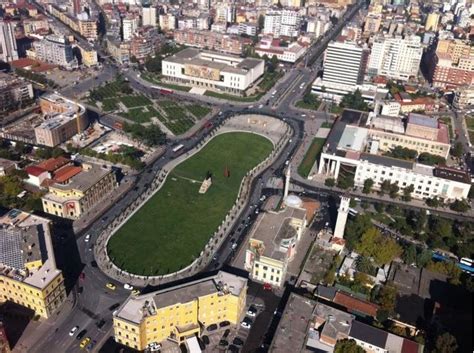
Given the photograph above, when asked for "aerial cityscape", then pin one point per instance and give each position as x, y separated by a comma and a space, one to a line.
236, 176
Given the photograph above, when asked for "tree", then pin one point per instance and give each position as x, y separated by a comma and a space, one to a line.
393, 192
261, 22
372, 244
431, 159
347, 346
433, 202
362, 279
409, 254
345, 181
355, 228
407, 191
153, 64
423, 258
386, 297
460, 206
402, 153
384, 187
457, 150
354, 101
446, 343
368, 183
330, 182
447, 268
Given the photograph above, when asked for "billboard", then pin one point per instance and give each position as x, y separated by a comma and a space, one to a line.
202, 72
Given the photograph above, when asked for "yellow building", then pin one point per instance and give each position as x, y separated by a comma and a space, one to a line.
181, 312
432, 21
88, 28
77, 189
89, 56
28, 273
273, 241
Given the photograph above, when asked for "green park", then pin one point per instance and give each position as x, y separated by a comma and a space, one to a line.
172, 228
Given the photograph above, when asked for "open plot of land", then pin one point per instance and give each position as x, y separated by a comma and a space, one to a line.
172, 228
310, 157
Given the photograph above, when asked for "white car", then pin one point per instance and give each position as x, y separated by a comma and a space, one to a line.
73, 330
127, 286
87, 238
260, 106
246, 323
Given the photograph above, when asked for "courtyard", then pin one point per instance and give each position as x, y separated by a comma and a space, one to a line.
172, 228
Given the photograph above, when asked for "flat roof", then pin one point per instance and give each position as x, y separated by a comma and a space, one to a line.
133, 308
85, 179
386, 161
422, 120
369, 334
272, 228
452, 174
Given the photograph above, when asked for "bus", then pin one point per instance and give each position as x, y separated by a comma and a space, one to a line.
466, 261
177, 148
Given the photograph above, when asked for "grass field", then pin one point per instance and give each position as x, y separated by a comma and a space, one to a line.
303, 105
135, 101
310, 157
142, 114
176, 118
198, 111
170, 231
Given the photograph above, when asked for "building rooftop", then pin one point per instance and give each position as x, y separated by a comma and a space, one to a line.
369, 334
34, 233
52, 164
82, 180
275, 231
452, 174
136, 308
356, 305
386, 161
422, 120
6, 163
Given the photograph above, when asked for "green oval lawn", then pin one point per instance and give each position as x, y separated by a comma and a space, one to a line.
172, 228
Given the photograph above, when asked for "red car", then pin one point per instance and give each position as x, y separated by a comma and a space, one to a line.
267, 286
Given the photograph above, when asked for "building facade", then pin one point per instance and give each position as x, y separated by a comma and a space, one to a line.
181, 311
395, 57
55, 50
9, 50
284, 22
14, 92
28, 273
77, 189
225, 43
212, 71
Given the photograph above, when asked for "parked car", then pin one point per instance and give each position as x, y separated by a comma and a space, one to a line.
87, 238
111, 286
73, 330
81, 334
85, 342
127, 286
252, 311
246, 323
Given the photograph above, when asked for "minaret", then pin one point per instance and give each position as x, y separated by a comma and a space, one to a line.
342, 217
287, 182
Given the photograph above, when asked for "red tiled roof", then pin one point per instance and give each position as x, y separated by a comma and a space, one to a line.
354, 304
53, 164
34, 170
65, 173
409, 346
443, 135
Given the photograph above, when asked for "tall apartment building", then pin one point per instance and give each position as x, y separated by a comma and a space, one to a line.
28, 273
452, 64
8, 50
149, 16
63, 119
145, 42
395, 57
282, 23
211, 40
129, 26
13, 92
180, 312
55, 50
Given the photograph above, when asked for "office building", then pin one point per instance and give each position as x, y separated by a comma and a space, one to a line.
463, 97
395, 57
282, 23
63, 118
14, 92
344, 67
357, 142
212, 70
248, 28
178, 313
149, 16
28, 273
75, 190
55, 50
273, 241
9, 51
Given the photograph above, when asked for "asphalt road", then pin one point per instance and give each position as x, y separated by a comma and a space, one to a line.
94, 301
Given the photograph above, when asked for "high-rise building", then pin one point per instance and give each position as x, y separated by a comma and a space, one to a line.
8, 50
395, 57
14, 92
55, 50
342, 213
167, 22
344, 63
149, 16
282, 23
129, 26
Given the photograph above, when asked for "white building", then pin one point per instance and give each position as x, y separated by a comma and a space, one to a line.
129, 26
9, 51
463, 97
290, 54
248, 28
167, 22
212, 70
149, 16
395, 57
354, 146
318, 26
282, 23
344, 67
55, 50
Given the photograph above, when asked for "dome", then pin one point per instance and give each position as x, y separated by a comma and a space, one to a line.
293, 201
